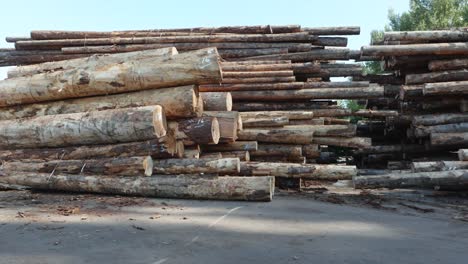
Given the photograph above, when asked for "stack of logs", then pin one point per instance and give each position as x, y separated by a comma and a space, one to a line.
426, 83
98, 102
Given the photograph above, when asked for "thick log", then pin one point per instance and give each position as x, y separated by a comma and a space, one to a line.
309, 94
194, 67
443, 65
348, 84
449, 139
283, 150
427, 36
258, 80
446, 88
284, 37
228, 124
265, 122
424, 131
217, 101
288, 136
459, 48
178, 102
326, 130
7, 59
280, 106
331, 41
131, 166
197, 166
170, 186
443, 76
438, 166
292, 115
242, 53
164, 147
463, 154
258, 67
101, 127
332, 30
311, 151
292, 170
438, 119
250, 87
353, 142
200, 130
234, 146
440, 180
95, 61
317, 54
260, 29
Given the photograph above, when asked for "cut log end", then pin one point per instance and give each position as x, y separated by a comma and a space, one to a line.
215, 131
159, 122
148, 166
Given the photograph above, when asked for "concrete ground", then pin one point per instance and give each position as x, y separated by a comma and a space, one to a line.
294, 228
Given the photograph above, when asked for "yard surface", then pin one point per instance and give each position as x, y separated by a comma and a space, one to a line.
309, 227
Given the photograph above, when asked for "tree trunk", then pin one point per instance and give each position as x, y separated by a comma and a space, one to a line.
228, 124
424, 131
234, 146
280, 106
347, 84
178, 102
217, 101
313, 121
446, 88
353, 142
332, 30
259, 80
311, 151
200, 130
164, 186
438, 166
131, 166
242, 155
430, 77
317, 54
265, 122
197, 166
440, 180
192, 152
292, 115
305, 171
288, 136
427, 36
438, 119
283, 150
258, 67
450, 139
326, 130
250, 87
443, 65
101, 127
193, 67
242, 53
416, 49
94, 61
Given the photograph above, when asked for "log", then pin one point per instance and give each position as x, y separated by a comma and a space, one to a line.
311, 151
178, 102
440, 180
265, 122
313, 121
217, 101
212, 155
281, 159
164, 147
258, 67
348, 84
424, 131
427, 36
450, 139
279, 106
258, 62
95, 61
169, 186
9, 60
252, 74
317, 54
443, 76
197, 166
438, 166
353, 142
193, 67
332, 30
288, 136
331, 41
439, 119
102, 127
292, 170
336, 121
375, 113
332, 112
283, 150
259, 80
200, 130
443, 65
395, 148
234, 146
309, 94
192, 152
241, 155
459, 48
463, 154
326, 130
292, 115
228, 124
131, 166
446, 88
250, 87
242, 53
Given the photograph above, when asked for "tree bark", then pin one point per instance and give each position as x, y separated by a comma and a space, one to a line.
258, 67
101, 127
353, 142
234, 146
311, 151
217, 101
317, 54
440, 180
332, 30
194, 67
416, 49
348, 84
451, 139
259, 80
265, 122
427, 36
164, 186
430, 77
424, 131
197, 166
305, 171
250, 87
439, 119
242, 53
438, 166
292, 115
288, 136
283, 150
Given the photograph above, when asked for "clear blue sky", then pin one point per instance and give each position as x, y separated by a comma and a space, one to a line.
20, 17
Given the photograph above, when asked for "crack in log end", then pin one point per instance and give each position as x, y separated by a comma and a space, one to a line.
117, 84
84, 79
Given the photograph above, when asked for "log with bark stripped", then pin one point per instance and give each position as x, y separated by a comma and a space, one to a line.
229, 123
197, 166
217, 101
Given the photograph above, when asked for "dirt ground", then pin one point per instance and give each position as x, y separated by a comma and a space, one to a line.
323, 222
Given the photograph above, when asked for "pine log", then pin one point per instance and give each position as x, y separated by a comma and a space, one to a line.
313, 121
193, 67
258, 67
317, 54
446, 88
228, 124
463, 154
408, 92
197, 166
332, 30
450, 139
292, 115
283, 150
440, 180
200, 130
427, 36
252, 74
348, 84
353, 142
443, 65
178, 102
131, 166
439, 119
217, 101
265, 122
438, 166
259, 80
287, 136
164, 147
95, 61
424, 131
305, 171
102, 127
308, 94
242, 53
170, 186
250, 87
279, 106
234, 146
443, 76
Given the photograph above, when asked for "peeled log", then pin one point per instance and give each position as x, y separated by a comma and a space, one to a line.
170, 186
192, 67
353, 142
440, 180
293, 170
217, 101
164, 147
326, 130
283, 150
95, 61
101, 127
280, 106
178, 102
229, 122
438, 166
450, 139
197, 166
131, 166
288, 136
313, 121
241, 155
444, 76
234, 146
446, 88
